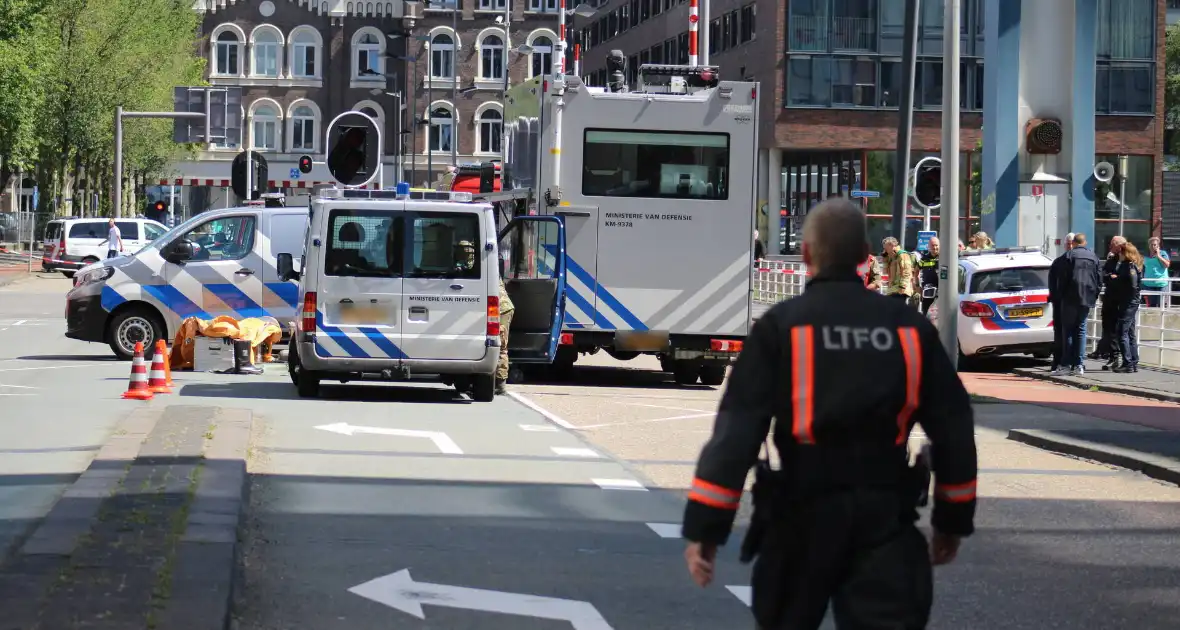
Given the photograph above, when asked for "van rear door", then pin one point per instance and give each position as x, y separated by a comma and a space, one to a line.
360, 287
284, 233
534, 277
446, 283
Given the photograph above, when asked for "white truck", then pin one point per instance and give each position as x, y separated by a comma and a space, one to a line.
656, 190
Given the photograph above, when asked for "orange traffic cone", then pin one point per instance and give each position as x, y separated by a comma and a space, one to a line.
156, 380
138, 387
162, 348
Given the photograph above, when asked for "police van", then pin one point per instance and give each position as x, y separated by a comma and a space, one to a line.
219, 262
401, 284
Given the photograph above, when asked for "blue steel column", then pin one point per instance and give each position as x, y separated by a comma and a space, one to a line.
1001, 122
1081, 217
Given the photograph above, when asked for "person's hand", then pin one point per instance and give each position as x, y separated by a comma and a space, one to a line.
700, 557
943, 548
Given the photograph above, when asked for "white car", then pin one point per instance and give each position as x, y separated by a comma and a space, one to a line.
71, 244
1003, 303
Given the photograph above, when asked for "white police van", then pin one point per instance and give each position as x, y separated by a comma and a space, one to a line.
219, 262
396, 285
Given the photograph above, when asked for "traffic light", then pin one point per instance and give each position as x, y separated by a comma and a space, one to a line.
305, 164
928, 184
348, 160
159, 211
258, 179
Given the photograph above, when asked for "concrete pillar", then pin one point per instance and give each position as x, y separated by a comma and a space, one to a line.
775, 199
1081, 132
762, 205
1001, 127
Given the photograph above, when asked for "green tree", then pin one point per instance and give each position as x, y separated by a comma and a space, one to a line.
23, 46
1172, 83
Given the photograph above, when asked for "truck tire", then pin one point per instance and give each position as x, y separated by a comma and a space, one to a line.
484, 388
307, 385
713, 374
667, 364
137, 323
686, 372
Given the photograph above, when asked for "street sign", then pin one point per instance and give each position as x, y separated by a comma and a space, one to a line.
399, 590
441, 440
294, 173
924, 237
353, 149
866, 194
225, 115
36, 198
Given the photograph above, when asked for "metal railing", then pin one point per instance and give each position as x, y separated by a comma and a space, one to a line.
820, 34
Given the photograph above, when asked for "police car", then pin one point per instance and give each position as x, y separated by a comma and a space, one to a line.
1003, 303
398, 284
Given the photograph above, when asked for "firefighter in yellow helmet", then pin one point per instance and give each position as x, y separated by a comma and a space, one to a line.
466, 262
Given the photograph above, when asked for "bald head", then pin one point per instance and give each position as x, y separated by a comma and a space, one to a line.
834, 237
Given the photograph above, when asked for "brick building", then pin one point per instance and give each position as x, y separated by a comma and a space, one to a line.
831, 71
430, 74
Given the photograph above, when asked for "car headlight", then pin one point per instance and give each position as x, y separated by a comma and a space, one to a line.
95, 275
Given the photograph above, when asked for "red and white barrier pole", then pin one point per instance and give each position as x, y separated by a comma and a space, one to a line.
560, 38
577, 59
694, 19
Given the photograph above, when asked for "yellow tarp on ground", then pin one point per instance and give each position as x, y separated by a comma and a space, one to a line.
260, 331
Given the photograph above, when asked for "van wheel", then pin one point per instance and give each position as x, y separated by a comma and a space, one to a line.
686, 372
131, 325
667, 363
713, 374
306, 384
89, 260
68, 274
484, 389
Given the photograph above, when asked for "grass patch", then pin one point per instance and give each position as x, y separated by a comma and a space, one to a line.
162, 591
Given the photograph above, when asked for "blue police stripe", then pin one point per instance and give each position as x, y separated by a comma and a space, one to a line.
340, 337
174, 300
571, 322
581, 302
320, 351
606, 296
111, 299
1000, 321
287, 291
383, 342
236, 300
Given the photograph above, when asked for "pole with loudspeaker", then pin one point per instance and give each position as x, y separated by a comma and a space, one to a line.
1104, 174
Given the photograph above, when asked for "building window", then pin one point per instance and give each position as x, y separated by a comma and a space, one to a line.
854, 82
809, 81
546, 6
491, 5
1125, 88
266, 47
541, 58
303, 134
228, 49
490, 131
682, 59
304, 52
368, 57
1125, 80
266, 128
655, 164
442, 56
442, 129
748, 14
491, 57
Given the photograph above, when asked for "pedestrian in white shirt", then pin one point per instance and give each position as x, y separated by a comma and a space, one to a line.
114, 240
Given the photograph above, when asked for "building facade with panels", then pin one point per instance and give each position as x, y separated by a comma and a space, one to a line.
831, 71
301, 63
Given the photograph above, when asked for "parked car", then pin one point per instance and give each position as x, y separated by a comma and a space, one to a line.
71, 244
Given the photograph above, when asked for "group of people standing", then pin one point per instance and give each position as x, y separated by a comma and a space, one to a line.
913, 276
1077, 277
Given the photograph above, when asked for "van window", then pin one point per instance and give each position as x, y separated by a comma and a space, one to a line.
444, 245
89, 229
659, 164
364, 243
1010, 280
129, 230
53, 231
225, 238
153, 232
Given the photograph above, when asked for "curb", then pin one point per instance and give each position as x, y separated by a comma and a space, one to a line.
1154, 466
1126, 390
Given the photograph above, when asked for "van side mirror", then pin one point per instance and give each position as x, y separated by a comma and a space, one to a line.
286, 267
181, 251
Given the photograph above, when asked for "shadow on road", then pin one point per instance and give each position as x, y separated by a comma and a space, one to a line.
1000, 364
366, 392
612, 376
69, 357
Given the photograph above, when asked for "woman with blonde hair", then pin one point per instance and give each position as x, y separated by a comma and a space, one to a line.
1123, 289
980, 240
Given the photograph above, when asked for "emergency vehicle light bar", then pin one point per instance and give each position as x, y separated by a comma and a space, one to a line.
1024, 249
665, 75
400, 193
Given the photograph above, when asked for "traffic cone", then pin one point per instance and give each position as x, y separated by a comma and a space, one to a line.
162, 348
157, 382
138, 387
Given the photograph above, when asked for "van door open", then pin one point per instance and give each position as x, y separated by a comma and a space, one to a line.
533, 266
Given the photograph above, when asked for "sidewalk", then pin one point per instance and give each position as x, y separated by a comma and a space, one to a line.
1148, 383
1126, 431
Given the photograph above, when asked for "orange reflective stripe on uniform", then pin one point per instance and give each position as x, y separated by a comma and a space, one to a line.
803, 383
955, 493
911, 349
714, 495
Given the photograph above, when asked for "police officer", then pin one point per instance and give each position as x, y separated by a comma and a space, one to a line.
845, 373
506, 310
927, 270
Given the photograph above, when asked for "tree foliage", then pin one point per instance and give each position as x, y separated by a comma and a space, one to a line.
1172, 82
65, 65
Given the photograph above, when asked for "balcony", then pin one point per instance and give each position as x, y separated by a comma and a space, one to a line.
821, 34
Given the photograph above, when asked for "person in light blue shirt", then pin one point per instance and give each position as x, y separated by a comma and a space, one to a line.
1155, 272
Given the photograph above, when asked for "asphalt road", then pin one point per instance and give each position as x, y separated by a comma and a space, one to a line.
493, 516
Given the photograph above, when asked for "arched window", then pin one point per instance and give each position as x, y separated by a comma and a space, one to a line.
305, 48
491, 58
368, 57
303, 132
491, 129
442, 129
541, 59
228, 50
266, 47
266, 128
442, 56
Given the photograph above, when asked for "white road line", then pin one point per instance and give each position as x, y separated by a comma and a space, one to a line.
18, 386
575, 452
541, 410
18, 323
744, 593
665, 530
619, 484
17, 394
616, 424
663, 407
53, 367
539, 427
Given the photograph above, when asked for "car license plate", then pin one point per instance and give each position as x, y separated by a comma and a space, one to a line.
350, 314
1031, 311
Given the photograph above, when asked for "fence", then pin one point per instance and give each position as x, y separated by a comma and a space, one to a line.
18, 228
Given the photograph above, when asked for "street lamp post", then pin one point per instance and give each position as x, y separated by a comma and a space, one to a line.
455, 85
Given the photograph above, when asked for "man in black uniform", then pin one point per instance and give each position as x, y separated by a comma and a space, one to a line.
845, 373
927, 269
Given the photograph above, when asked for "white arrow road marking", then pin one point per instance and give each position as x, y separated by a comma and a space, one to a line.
400, 591
619, 484
575, 452
441, 440
541, 410
665, 530
744, 593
